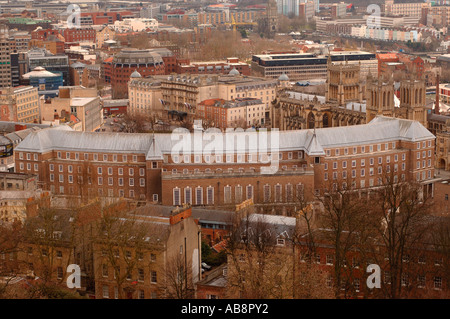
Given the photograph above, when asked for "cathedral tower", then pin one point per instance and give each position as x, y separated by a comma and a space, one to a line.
343, 83
379, 98
412, 100
272, 16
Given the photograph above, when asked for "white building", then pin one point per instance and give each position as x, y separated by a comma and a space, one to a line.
135, 24
288, 7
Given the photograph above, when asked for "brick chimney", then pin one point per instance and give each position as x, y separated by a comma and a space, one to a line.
19, 127
180, 213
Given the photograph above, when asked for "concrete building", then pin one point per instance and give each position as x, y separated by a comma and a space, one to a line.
306, 66
212, 67
19, 41
226, 16
405, 9
326, 26
38, 57
178, 95
5, 59
78, 102
135, 24
181, 94
145, 95
13, 205
20, 104
288, 7
306, 10
338, 10
150, 11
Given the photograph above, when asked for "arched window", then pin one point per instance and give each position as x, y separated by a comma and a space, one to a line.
311, 120
325, 120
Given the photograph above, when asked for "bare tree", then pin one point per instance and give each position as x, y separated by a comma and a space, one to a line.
309, 282
137, 123
10, 237
139, 41
343, 217
84, 181
251, 252
49, 233
401, 212
178, 281
120, 239
441, 242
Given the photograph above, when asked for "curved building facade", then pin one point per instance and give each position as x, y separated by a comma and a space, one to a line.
48, 83
126, 62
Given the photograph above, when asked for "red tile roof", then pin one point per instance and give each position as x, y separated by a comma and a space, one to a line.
220, 246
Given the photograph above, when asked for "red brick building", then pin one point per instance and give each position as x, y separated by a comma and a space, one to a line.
43, 34
384, 59
423, 269
213, 110
107, 69
169, 59
156, 168
413, 63
83, 34
239, 112
126, 62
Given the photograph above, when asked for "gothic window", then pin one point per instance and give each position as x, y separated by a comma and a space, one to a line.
311, 120
266, 193
325, 120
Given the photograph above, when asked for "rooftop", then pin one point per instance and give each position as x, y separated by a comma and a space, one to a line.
155, 146
39, 72
82, 101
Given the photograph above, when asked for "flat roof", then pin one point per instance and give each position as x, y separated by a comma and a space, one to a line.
80, 101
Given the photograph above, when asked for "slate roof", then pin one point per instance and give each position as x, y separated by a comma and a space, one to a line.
155, 146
